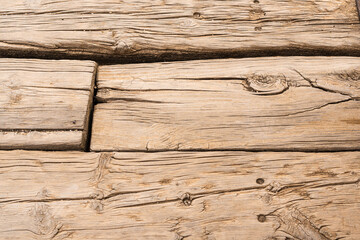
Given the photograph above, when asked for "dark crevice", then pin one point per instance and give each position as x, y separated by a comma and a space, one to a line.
119, 99
91, 111
114, 194
173, 55
24, 130
299, 150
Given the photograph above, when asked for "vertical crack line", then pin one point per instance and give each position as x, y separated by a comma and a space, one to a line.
91, 109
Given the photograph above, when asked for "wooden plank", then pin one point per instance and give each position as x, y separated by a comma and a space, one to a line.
171, 29
45, 104
179, 195
282, 103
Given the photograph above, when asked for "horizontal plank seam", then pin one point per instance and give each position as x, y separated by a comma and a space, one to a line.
175, 55
255, 150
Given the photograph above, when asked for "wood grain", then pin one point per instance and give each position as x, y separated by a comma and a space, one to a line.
282, 103
167, 28
179, 195
45, 104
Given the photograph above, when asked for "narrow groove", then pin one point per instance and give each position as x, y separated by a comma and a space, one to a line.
91, 111
106, 59
25, 130
255, 150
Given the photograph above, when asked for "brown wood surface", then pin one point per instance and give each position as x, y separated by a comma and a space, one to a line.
175, 195
160, 29
179, 195
282, 103
45, 104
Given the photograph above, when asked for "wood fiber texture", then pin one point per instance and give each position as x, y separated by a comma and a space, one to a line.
45, 104
278, 103
179, 195
167, 28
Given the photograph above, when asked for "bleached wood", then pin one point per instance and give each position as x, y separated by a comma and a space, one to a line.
282, 103
175, 195
45, 104
167, 28
48, 140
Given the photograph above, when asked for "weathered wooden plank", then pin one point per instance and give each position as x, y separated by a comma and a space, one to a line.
164, 29
45, 104
283, 103
177, 195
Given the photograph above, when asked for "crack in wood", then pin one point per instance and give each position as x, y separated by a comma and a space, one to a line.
100, 196
315, 85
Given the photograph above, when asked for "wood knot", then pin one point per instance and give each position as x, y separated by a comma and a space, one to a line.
274, 187
261, 218
97, 195
186, 199
256, 13
267, 84
46, 224
101, 169
197, 15
44, 193
97, 206
353, 75
260, 181
123, 47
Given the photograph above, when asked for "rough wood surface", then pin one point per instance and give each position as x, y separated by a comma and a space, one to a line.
179, 195
284, 103
45, 104
160, 28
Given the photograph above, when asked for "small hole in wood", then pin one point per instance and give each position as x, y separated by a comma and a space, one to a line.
260, 181
186, 199
197, 15
256, 1
261, 218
